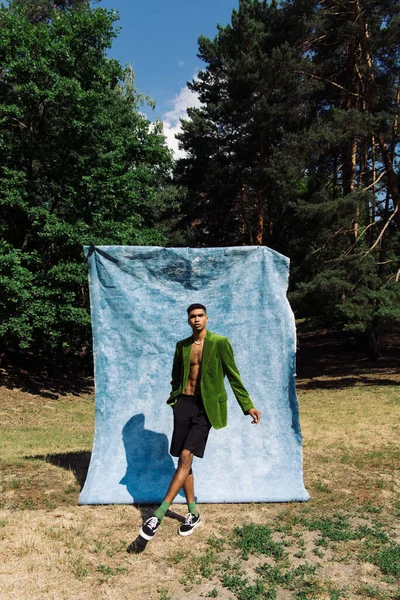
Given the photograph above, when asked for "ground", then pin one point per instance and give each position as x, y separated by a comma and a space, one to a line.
343, 543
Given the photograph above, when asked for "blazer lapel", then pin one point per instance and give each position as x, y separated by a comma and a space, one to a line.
208, 342
186, 348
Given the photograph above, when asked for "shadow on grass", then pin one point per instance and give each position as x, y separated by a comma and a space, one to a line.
40, 376
138, 545
342, 364
336, 358
77, 462
342, 383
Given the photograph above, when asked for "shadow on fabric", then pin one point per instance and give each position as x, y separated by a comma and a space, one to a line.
149, 465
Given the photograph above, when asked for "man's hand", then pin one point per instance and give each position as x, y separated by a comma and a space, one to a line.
253, 412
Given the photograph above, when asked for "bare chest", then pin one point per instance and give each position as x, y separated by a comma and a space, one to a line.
196, 355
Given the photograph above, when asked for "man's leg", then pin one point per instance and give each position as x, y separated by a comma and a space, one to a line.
180, 476
191, 429
188, 488
192, 519
177, 482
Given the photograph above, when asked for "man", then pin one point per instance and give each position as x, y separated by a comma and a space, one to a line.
199, 402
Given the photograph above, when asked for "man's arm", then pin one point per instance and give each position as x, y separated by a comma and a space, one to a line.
176, 370
232, 373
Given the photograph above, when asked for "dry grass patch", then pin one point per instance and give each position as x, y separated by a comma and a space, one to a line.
344, 543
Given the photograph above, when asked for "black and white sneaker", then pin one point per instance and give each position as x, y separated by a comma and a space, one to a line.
149, 528
190, 524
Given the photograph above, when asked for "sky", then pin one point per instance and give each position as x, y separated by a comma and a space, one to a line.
159, 39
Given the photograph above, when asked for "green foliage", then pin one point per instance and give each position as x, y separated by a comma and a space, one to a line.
79, 164
244, 591
270, 578
256, 539
164, 594
335, 528
295, 146
205, 564
248, 94
106, 570
388, 559
218, 544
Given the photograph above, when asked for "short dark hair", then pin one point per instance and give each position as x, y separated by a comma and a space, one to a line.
194, 306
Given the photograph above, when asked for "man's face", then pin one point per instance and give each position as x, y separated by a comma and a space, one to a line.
197, 319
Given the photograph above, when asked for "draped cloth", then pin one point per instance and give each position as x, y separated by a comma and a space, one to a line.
139, 296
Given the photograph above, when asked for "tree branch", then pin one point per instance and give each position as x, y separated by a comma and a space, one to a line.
383, 230
332, 83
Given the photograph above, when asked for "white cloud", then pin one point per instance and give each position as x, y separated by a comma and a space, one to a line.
185, 99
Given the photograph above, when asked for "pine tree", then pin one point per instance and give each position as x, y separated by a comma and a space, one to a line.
295, 145
348, 209
247, 89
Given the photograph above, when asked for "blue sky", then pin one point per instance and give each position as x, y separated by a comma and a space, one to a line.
159, 39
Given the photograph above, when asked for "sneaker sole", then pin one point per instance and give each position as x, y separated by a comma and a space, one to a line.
185, 533
145, 536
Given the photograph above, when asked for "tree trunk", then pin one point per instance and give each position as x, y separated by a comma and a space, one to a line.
349, 166
372, 94
395, 124
335, 177
260, 199
372, 346
393, 188
350, 151
243, 203
260, 218
373, 207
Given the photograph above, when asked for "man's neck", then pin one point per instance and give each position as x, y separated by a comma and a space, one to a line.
199, 336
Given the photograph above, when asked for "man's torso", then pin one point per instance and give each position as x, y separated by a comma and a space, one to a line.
193, 383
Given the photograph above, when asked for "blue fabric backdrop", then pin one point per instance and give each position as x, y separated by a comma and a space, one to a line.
139, 297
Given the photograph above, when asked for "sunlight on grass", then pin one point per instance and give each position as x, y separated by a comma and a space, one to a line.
341, 544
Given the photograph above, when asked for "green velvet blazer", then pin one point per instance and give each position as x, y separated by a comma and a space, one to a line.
217, 361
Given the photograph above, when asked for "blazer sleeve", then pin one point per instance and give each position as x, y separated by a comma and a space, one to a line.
176, 370
232, 373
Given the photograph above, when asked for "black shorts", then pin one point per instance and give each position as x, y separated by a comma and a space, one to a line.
191, 426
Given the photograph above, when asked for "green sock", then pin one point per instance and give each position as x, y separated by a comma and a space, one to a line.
192, 509
161, 510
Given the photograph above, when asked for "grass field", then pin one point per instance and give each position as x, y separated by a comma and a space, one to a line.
344, 543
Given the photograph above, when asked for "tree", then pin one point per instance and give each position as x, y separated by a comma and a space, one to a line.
295, 145
79, 164
46, 10
348, 209
249, 96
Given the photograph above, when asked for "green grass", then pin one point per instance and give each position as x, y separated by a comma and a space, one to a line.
388, 559
350, 457
80, 569
43, 431
301, 581
370, 591
334, 528
225, 561
320, 487
256, 539
34, 441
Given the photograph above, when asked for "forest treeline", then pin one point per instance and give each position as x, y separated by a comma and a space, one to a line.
294, 146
